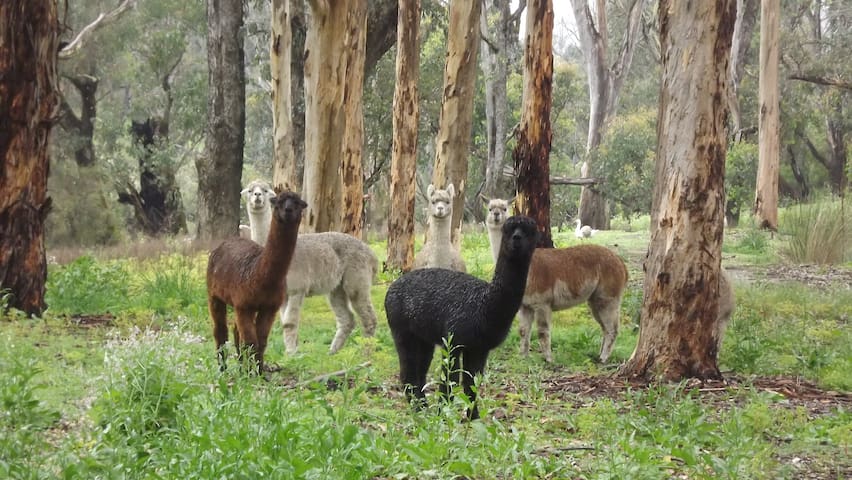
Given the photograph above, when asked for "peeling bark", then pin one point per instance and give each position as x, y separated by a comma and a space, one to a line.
29, 100
452, 145
532, 152
406, 112
677, 334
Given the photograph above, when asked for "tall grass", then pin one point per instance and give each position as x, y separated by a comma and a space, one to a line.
818, 232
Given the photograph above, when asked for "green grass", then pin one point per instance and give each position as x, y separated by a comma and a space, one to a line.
140, 395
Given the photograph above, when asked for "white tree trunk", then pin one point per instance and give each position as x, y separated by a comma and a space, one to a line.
325, 75
406, 111
766, 194
452, 145
284, 161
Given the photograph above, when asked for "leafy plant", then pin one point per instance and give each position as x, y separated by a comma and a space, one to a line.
87, 285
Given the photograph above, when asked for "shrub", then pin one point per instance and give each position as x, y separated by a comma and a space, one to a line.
88, 286
818, 232
740, 178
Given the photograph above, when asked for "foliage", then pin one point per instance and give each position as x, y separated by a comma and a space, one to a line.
626, 161
88, 286
818, 232
740, 178
134, 396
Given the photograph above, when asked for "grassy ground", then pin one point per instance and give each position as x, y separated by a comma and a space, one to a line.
119, 380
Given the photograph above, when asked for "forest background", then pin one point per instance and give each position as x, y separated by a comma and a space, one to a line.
135, 100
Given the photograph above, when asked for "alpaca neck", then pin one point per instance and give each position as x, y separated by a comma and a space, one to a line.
495, 236
259, 222
278, 251
505, 295
439, 235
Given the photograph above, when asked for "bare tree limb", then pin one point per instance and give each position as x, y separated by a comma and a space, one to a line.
822, 80
103, 19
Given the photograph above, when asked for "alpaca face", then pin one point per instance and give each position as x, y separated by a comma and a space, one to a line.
498, 212
520, 236
257, 194
288, 207
441, 201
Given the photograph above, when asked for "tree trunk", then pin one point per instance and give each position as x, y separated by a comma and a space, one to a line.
604, 87
353, 139
220, 169
496, 58
532, 153
325, 76
381, 31
743, 29
452, 145
682, 270
298, 31
82, 127
157, 205
837, 146
766, 194
29, 97
284, 160
406, 112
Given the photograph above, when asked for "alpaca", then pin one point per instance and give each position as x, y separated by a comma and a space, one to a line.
257, 194
330, 263
432, 306
438, 251
561, 278
584, 231
251, 279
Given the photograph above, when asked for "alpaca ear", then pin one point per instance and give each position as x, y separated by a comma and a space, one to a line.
430, 190
485, 200
451, 190
244, 192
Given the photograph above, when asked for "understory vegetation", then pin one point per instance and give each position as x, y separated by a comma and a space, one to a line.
119, 380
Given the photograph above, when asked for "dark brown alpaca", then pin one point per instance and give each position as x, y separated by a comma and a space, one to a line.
252, 279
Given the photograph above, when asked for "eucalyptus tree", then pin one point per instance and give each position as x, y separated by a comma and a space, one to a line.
29, 40
498, 53
678, 333
766, 191
605, 82
453, 140
220, 168
532, 152
406, 109
818, 35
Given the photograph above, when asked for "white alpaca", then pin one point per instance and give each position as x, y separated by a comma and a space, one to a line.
561, 278
438, 251
330, 263
583, 231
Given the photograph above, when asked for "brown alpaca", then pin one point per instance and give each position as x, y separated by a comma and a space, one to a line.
252, 279
561, 278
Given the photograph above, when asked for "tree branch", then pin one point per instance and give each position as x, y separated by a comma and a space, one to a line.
103, 19
822, 80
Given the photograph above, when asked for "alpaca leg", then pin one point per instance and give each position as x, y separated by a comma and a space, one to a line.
219, 315
543, 318
345, 320
290, 313
265, 320
363, 306
248, 335
473, 363
414, 359
606, 313
525, 319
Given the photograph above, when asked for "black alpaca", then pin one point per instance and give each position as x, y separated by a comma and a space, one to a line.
426, 307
